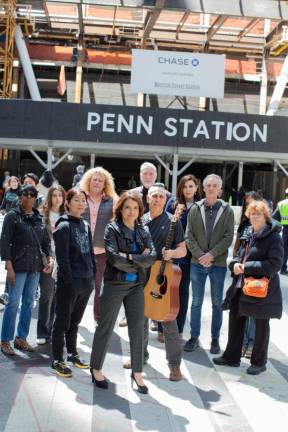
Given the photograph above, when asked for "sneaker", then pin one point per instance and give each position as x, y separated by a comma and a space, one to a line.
255, 370
6, 348
215, 347
61, 369
22, 344
41, 341
221, 361
175, 373
154, 326
161, 337
123, 322
191, 344
76, 361
4, 298
248, 352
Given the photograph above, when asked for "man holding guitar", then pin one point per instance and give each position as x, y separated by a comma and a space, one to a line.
158, 222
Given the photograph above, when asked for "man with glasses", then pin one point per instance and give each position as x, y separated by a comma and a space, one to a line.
24, 239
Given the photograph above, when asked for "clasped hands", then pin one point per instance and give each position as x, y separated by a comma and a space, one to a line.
206, 260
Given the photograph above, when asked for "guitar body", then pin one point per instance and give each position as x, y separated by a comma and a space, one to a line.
162, 293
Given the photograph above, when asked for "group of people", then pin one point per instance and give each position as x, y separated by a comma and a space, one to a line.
90, 239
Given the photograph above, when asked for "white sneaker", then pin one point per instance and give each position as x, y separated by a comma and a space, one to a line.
41, 341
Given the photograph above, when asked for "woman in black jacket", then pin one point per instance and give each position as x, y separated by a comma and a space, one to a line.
263, 251
24, 239
75, 276
130, 252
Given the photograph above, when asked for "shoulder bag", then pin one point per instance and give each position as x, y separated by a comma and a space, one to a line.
255, 287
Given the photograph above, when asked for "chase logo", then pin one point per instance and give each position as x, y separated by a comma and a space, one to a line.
179, 61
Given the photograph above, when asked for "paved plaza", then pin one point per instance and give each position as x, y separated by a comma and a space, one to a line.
209, 399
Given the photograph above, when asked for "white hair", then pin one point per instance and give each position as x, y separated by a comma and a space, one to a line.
214, 176
147, 165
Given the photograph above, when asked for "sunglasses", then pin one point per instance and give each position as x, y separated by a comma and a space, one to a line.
29, 194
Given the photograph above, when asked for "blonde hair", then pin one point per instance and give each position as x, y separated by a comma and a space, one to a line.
109, 186
258, 207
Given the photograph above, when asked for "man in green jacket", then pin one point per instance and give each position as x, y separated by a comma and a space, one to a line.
209, 233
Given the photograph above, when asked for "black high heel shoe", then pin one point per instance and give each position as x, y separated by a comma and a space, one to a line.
141, 389
101, 384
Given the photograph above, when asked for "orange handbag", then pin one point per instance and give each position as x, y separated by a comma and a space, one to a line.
256, 287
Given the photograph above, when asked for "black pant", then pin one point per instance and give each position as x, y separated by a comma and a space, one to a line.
46, 310
183, 295
71, 301
111, 300
285, 243
236, 329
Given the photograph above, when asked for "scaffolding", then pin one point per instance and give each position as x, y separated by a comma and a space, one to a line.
7, 28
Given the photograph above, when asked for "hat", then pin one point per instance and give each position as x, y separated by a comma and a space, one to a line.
28, 188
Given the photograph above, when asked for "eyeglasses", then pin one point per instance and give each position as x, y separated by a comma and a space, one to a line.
29, 194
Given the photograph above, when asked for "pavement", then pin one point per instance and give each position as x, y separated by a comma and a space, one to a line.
210, 398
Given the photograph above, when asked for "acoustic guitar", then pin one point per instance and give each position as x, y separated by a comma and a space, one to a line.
161, 292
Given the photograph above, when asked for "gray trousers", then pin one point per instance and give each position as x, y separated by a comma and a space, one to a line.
172, 341
111, 300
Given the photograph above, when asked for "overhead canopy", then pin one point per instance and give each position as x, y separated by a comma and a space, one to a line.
142, 132
232, 25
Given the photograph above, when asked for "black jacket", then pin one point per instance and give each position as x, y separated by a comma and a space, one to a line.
18, 242
264, 258
119, 238
73, 248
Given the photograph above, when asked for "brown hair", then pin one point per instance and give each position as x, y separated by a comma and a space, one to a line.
117, 216
258, 207
179, 193
10, 179
48, 203
70, 194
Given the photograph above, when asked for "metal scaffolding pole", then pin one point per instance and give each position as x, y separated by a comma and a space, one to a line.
279, 89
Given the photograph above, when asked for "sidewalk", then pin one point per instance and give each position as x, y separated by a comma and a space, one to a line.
209, 399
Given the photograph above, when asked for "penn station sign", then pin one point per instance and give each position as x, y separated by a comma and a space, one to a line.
177, 73
181, 127
130, 125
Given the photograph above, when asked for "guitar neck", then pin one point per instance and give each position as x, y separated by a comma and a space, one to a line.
168, 244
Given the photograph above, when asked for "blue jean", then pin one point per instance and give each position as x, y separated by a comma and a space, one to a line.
249, 332
198, 276
24, 289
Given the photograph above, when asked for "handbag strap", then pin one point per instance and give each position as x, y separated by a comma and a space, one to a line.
36, 238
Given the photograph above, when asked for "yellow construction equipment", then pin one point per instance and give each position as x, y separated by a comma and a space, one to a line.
7, 28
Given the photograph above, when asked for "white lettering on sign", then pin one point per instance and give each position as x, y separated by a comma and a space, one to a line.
92, 120
180, 127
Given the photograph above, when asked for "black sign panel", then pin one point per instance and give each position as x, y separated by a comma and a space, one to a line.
148, 126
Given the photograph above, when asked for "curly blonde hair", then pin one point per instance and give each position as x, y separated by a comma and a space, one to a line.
109, 186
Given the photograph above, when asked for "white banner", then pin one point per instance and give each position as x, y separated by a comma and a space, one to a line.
177, 73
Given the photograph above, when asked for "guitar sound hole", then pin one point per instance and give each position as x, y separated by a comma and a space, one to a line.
163, 287
160, 279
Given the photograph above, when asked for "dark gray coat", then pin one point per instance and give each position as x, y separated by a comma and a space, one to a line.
264, 258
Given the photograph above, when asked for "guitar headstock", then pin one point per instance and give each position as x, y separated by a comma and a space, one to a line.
178, 212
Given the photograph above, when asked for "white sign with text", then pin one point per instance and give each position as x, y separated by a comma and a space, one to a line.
178, 73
